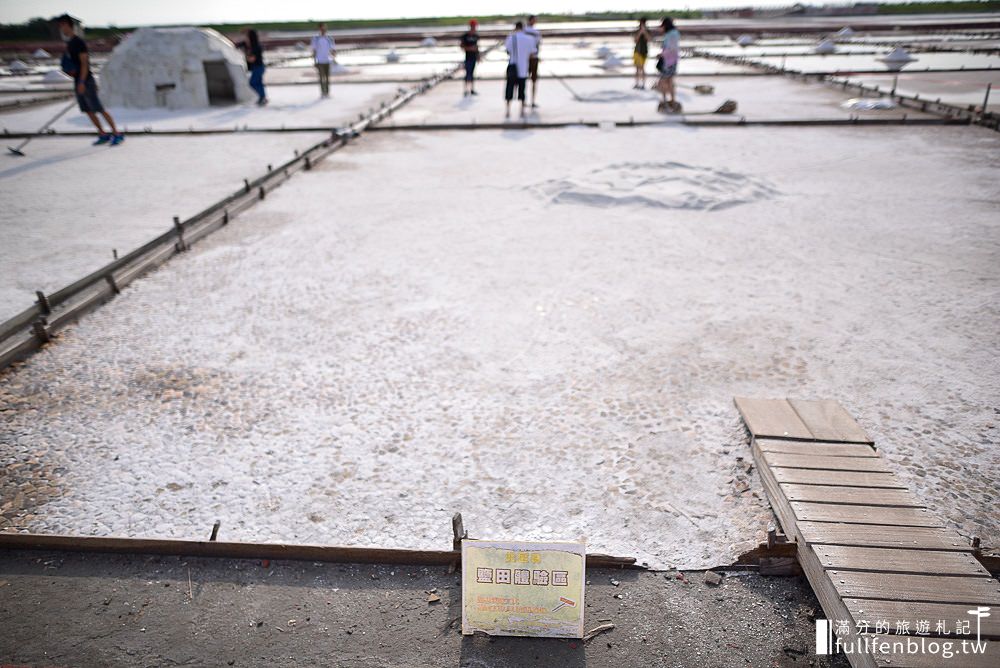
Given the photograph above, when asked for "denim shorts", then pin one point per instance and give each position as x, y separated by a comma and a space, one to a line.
88, 100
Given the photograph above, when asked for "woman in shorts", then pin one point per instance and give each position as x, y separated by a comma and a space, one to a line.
639, 55
667, 66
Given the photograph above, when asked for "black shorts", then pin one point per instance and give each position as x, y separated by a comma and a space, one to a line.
88, 100
512, 81
533, 68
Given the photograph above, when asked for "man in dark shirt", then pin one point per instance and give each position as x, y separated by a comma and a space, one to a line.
470, 45
255, 63
76, 63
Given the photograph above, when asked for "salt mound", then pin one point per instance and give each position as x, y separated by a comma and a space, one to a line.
56, 76
175, 68
612, 62
897, 59
745, 40
657, 185
41, 53
392, 57
18, 66
826, 46
428, 41
582, 44
604, 51
869, 103
301, 46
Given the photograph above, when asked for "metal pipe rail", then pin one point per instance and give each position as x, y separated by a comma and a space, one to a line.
29, 330
722, 122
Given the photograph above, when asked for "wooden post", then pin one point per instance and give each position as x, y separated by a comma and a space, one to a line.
41, 332
215, 530
179, 229
111, 282
43, 302
986, 98
458, 532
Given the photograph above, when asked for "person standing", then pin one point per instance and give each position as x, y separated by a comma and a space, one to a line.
324, 49
470, 45
519, 47
667, 65
533, 32
76, 63
641, 52
255, 63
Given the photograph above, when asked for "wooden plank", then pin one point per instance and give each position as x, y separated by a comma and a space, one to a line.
815, 448
869, 535
921, 588
930, 562
989, 658
872, 611
833, 605
772, 417
848, 478
828, 421
860, 496
829, 512
870, 464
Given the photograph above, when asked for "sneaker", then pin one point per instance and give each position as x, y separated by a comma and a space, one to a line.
474, 93
534, 106
262, 102
102, 139
117, 139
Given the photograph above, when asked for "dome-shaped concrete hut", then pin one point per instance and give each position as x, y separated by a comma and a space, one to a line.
175, 68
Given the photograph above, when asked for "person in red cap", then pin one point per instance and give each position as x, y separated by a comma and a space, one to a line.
470, 45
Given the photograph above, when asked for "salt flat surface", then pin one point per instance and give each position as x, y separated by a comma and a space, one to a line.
542, 330
961, 88
67, 204
759, 98
290, 107
847, 62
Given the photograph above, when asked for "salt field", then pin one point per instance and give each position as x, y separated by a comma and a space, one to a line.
542, 329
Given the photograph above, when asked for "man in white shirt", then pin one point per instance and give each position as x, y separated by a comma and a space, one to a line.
323, 48
519, 48
532, 32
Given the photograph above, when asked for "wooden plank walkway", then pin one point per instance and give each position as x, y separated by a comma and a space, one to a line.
887, 571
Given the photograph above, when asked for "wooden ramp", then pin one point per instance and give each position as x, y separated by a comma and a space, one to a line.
874, 554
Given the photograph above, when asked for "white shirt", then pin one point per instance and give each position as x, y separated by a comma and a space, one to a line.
532, 32
520, 46
322, 45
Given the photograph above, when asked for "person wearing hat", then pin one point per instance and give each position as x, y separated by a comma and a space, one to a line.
470, 45
76, 63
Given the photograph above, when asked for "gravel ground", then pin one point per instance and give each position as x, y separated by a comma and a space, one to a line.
426, 325
145, 611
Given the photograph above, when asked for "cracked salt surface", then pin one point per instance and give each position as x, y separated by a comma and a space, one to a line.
658, 185
406, 331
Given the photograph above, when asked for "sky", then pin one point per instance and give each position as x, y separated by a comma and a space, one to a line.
153, 12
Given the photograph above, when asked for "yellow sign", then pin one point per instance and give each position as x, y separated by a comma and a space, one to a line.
523, 589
